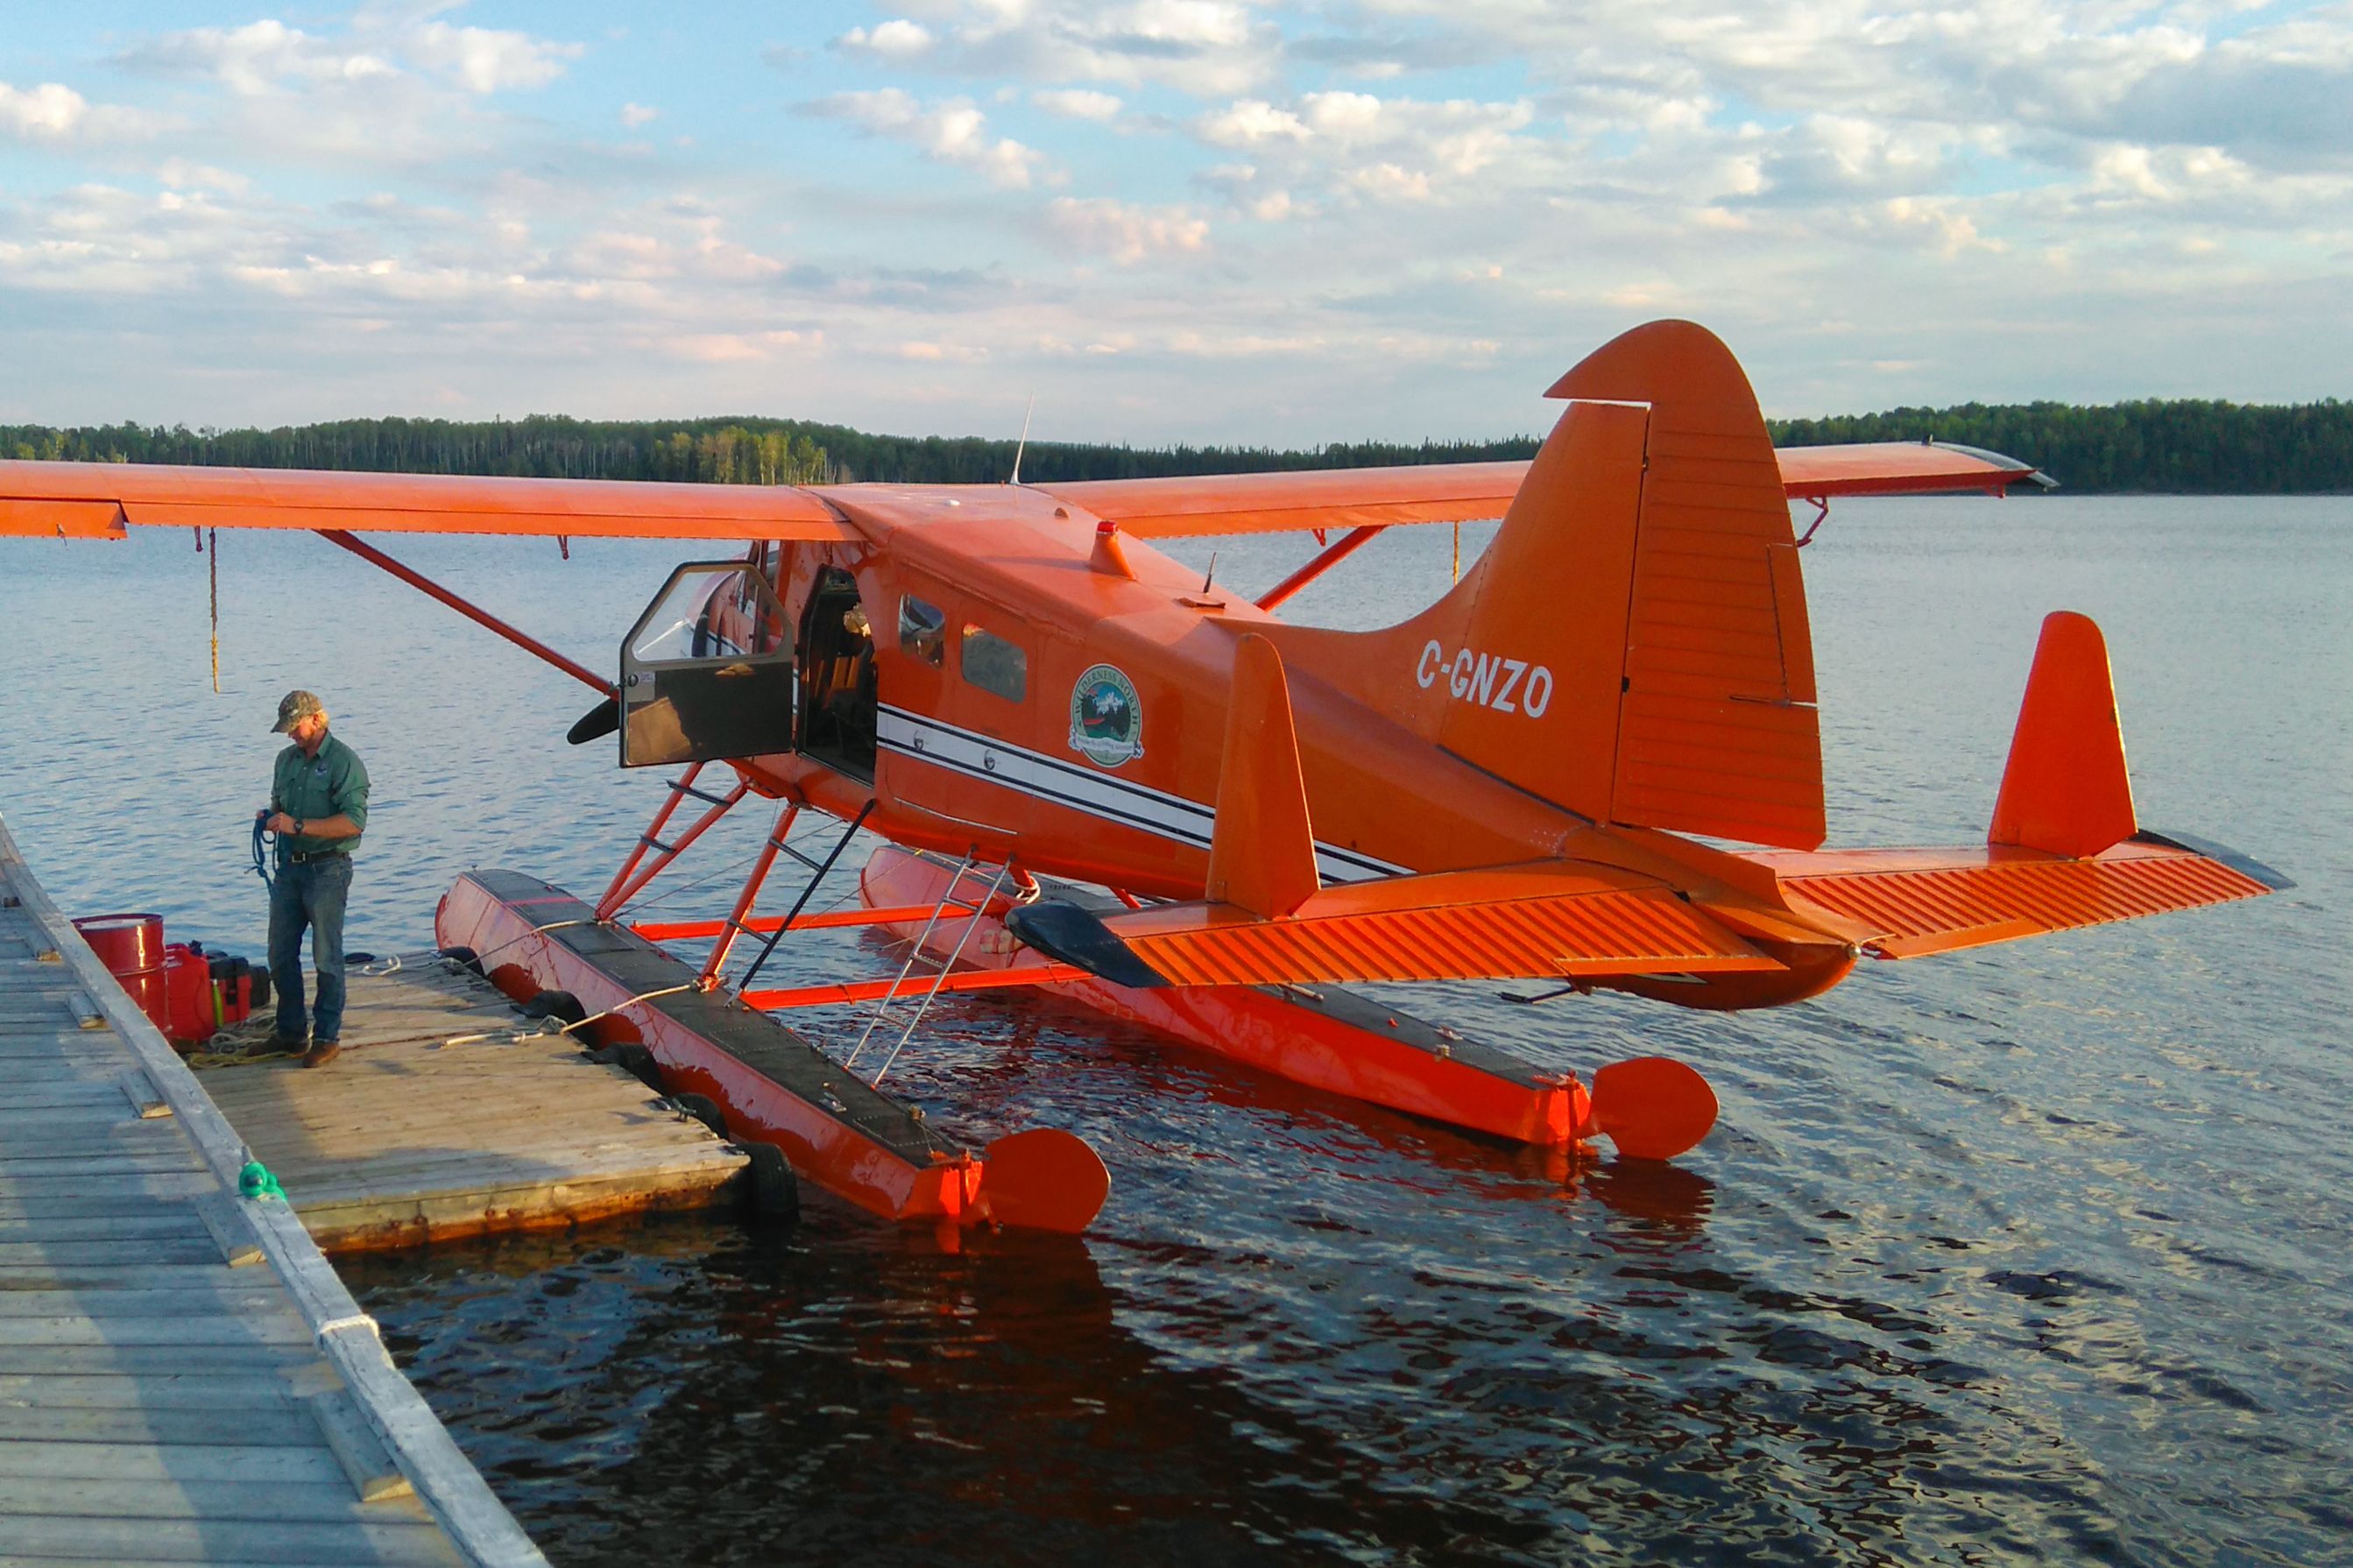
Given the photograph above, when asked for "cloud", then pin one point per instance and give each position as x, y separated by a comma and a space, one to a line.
1078, 103
485, 60
55, 113
894, 40
1128, 234
267, 55
738, 347
48, 111
180, 174
930, 352
953, 133
260, 57
1251, 122
1189, 46
1413, 212
1372, 147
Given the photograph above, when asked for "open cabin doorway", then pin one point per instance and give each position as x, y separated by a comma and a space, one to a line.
837, 677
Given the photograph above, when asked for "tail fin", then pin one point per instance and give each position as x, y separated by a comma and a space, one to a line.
1263, 855
1633, 647
2064, 790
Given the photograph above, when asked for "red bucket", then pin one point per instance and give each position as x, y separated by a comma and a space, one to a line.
131, 948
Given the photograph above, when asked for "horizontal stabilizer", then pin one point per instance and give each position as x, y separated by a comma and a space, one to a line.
1548, 919
1904, 903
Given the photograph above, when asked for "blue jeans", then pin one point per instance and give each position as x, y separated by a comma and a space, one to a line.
310, 894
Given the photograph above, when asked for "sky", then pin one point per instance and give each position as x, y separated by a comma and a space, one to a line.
1163, 220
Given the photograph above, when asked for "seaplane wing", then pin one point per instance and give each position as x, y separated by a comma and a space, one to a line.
97, 501
1305, 498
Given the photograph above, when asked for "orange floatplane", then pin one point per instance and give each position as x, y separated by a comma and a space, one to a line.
1098, 773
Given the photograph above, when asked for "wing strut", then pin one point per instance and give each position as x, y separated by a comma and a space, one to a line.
1347, 545
417, 580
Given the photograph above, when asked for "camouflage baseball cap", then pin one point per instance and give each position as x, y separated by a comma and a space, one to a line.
295, 707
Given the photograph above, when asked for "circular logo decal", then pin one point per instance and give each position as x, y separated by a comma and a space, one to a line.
1106, 720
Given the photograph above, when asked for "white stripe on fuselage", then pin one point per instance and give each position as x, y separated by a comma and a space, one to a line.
1080, 788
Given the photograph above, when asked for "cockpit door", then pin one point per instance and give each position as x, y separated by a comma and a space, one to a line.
690, 694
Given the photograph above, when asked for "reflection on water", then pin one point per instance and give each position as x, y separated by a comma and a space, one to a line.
2026, 1254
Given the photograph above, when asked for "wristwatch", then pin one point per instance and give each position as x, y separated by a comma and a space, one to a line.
297, 828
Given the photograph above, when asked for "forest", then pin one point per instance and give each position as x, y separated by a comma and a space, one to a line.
2173, 446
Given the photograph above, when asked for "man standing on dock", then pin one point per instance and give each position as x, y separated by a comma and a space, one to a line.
318, 808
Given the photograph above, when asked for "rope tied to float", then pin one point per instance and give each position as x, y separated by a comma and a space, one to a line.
256, 1182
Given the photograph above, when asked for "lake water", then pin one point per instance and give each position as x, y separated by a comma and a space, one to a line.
2035, 1253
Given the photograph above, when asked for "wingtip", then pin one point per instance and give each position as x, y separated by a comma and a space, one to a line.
2245, 864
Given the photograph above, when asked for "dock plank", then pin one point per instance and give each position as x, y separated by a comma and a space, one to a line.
400, 1545
238, 1389
140, 1464
328, 1502
285, 1426
285, 1328
267, 1360
70, 1253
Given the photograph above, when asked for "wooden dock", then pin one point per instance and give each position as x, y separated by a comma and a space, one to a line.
450, 1114
183, 1378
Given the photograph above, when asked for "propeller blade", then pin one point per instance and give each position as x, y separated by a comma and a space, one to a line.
1044, 1179
1652, 1107
596, 723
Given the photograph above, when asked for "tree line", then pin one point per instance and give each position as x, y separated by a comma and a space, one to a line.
2180, 445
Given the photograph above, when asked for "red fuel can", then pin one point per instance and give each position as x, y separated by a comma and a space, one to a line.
192, 1002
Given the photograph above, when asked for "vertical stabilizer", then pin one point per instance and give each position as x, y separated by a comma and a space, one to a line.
1262, 850
2064, 789
1633, 645
1718, 732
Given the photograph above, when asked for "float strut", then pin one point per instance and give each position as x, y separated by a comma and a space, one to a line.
735, 927
627, 886
810, 891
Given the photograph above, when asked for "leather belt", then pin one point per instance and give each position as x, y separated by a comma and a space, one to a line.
310, 857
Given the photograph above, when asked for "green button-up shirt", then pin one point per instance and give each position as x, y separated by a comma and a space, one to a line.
334, 781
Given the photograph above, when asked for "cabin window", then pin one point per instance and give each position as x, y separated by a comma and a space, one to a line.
994, 665
923, 630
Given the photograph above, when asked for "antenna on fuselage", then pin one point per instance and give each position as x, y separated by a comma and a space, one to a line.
1020, 446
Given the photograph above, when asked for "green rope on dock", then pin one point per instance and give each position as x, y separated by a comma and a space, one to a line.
255, 1182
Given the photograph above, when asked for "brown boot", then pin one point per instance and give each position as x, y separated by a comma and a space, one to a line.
321, 1052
